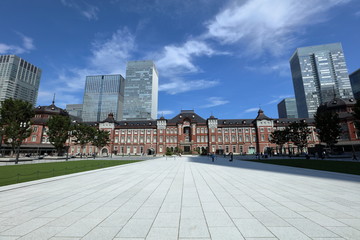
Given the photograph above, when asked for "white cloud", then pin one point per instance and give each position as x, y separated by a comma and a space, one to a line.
264, 25
278, 99
165, 112
112, 54
87, 10
107, 57
176, 59
215, 101
282, 68
27, 46
176, 86
251, 110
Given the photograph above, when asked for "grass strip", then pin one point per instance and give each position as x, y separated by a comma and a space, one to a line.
325, 165
29, 172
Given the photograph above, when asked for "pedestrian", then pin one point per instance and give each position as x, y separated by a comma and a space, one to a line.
231, 157
212, 157
354, 157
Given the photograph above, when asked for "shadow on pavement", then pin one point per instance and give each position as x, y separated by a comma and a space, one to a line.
221, 161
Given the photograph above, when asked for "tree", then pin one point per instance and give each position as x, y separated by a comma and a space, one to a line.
15, 121
328, 126
299, 133
356, 115
59, 127
280, 137
83, 135
101, 138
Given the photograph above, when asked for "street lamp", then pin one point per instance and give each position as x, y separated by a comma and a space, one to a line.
23, 127
95, 152
1, 139
68, 145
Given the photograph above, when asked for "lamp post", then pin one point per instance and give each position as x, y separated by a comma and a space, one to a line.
23, 127
68, 145
94, 154
1, 139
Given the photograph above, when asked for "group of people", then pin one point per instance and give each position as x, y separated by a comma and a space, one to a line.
212, 155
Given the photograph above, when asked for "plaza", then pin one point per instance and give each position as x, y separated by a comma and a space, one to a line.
186, 197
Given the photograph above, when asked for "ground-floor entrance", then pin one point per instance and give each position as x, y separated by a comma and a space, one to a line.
187, 149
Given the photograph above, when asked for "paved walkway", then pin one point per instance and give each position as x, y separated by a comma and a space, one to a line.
185, 198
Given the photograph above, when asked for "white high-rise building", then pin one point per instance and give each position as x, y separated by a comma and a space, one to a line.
141, 90
19, 79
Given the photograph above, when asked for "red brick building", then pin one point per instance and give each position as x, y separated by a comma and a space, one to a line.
189, 133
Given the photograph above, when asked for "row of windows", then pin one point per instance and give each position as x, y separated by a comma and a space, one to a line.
198, 130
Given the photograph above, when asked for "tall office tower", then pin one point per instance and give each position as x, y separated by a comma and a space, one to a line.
355, 83
319, 73
287, 108
74, 109
103, 94
19, 79
141, 90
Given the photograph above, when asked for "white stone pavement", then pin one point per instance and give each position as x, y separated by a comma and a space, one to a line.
185, 198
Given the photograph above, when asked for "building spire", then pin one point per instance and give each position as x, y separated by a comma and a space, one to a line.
53, 101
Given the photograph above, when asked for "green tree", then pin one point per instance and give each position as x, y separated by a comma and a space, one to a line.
101, 138
280, 137
15, 122
356, 114
83, 135
299, 133
328, 126
168, 151
59, 127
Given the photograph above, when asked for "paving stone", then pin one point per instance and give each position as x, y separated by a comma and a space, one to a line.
228, 233
193, 228
288, 233
163, 234
311, 229
218, 219
136, 228
167, 220
346, 232
252, 228
103, 233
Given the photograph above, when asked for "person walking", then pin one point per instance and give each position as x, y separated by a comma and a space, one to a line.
212, 157
231, 157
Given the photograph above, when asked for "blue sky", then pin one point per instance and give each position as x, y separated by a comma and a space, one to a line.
224, 58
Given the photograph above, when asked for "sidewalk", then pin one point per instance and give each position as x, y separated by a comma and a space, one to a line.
186, 198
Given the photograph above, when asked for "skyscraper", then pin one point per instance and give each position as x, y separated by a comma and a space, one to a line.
141, 90
74, 109
319, 73
19, 79
355, 83
104, 94
287, 108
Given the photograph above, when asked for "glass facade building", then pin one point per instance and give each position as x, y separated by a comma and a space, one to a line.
74, 109
355, 83
287, 108
141, 90
103, 94
19, 79
319, 73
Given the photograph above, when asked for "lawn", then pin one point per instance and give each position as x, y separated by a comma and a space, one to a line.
325, 165
28, 172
